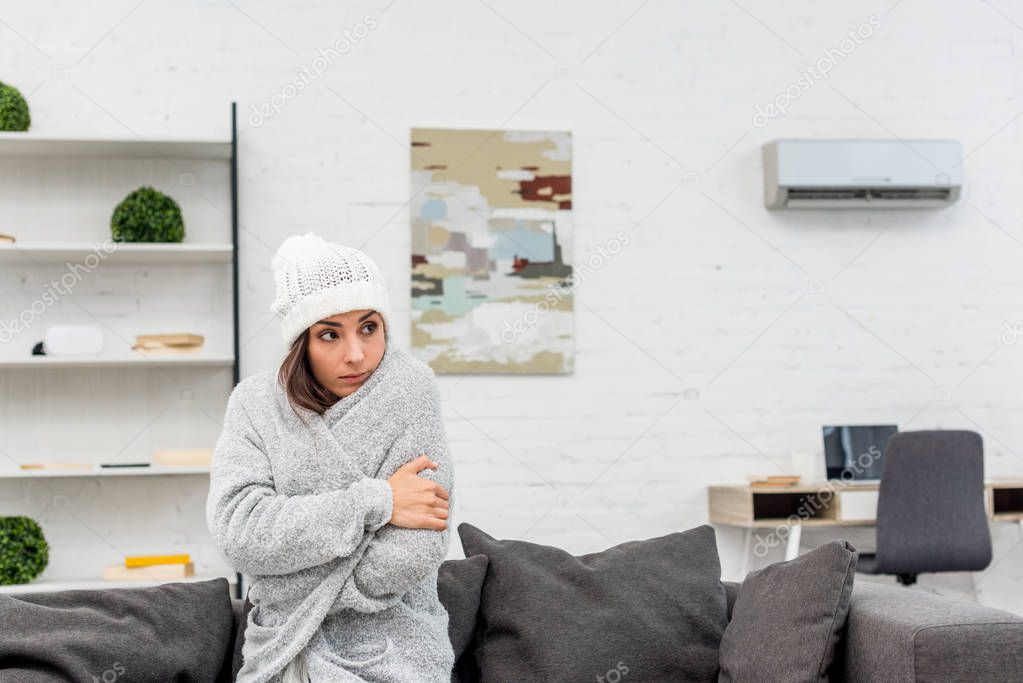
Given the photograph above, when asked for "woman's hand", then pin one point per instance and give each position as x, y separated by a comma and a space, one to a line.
419, 503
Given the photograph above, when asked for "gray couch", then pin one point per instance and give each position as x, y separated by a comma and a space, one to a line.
895, 634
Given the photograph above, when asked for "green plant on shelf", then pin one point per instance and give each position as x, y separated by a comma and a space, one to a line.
24, 552
147, 215
14, 114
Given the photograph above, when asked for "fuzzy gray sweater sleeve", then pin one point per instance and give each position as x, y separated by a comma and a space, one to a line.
398, 558
262, 532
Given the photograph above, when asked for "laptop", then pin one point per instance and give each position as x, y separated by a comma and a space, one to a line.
853, 453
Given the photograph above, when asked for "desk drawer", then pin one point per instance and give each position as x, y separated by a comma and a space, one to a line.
857, 506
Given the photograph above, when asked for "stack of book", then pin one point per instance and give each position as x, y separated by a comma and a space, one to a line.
168, 343
774, 480
56, 466
150, 568
196, 457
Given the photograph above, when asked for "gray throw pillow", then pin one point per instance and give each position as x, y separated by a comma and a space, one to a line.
459, 583
172, 632
788, 617
649, 610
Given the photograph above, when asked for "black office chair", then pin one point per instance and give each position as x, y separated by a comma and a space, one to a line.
930, 511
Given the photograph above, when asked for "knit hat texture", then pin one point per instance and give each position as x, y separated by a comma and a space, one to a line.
317, 279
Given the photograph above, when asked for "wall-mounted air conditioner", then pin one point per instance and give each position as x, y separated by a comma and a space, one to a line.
857, 174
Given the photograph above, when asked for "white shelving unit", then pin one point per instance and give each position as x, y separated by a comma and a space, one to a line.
96, 471
47, 165
35, 144
39, 362
120, 253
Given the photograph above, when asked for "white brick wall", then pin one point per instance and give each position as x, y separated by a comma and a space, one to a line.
713, 291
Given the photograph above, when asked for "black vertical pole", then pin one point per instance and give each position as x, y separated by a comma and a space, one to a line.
234, 239
234, 273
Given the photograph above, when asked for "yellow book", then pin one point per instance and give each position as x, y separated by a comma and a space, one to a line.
150, 560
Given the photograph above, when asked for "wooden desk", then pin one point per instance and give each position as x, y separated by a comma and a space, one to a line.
1005, 500
829, 504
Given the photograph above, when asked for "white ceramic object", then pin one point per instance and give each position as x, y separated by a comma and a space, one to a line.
73, 340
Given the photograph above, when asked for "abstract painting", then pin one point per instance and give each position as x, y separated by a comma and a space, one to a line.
491, 251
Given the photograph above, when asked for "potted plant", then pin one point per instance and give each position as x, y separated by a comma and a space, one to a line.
14, 114
24, 552
147, 215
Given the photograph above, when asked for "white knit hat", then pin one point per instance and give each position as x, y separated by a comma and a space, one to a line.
317, 279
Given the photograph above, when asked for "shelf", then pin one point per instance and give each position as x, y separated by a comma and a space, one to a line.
37, 362
51, 585
151, 471
122, 252
41, 145
115, 156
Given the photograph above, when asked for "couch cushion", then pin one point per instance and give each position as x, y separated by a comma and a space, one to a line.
459, 583
176, 631
650, 610
787, 618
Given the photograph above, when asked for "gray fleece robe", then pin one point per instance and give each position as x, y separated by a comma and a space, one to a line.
302, 510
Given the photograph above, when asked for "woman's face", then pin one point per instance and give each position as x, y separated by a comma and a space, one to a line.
345, 349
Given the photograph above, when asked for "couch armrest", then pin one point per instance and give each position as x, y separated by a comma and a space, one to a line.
903, 634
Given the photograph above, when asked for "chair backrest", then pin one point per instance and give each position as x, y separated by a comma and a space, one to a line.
931, 514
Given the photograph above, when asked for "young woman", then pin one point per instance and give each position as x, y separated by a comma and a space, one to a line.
331, 486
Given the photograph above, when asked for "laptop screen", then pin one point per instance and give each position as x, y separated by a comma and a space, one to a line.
853, 452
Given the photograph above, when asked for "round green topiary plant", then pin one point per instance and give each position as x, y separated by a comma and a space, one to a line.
14, 114
147, 215
24, 552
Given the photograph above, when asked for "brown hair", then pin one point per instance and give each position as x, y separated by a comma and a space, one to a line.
299, 382
296, 376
